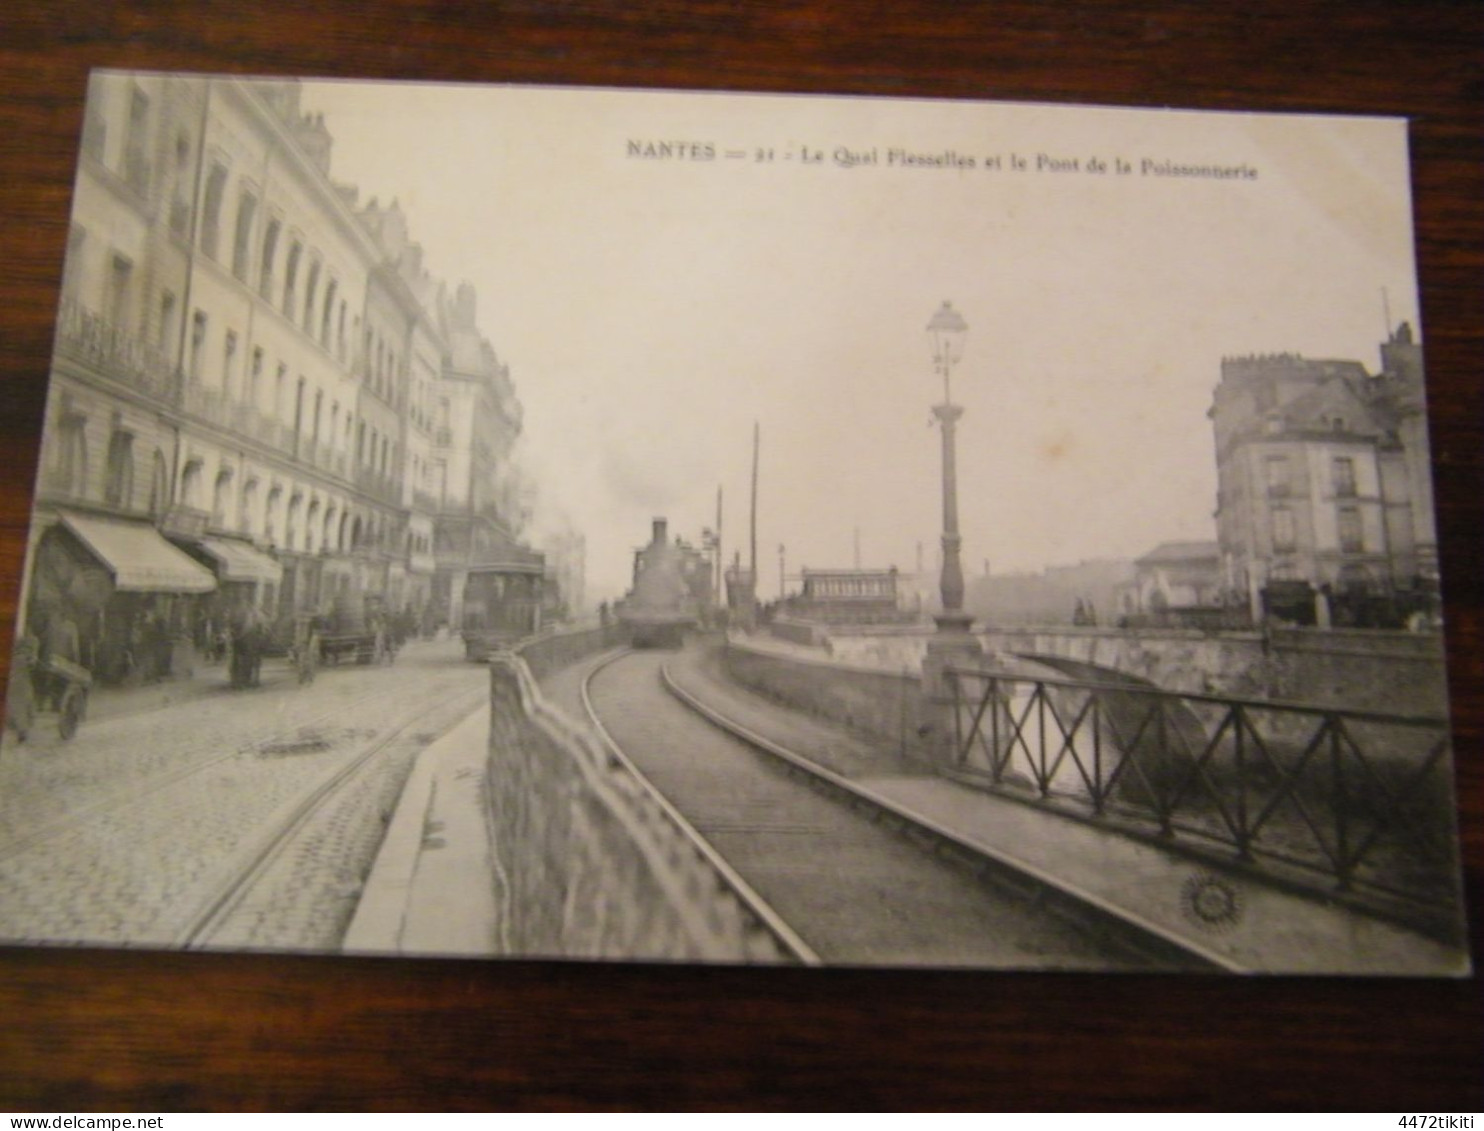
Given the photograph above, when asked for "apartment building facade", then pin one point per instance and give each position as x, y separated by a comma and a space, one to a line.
242, 405
1324, 511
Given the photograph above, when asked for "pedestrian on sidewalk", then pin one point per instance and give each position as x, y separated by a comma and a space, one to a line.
20, 696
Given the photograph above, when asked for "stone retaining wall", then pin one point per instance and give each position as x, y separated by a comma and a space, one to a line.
546, 654
592, 865
1357, 670
884, 707
1393, 672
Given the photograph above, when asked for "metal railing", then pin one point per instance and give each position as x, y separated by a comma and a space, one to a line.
207, 403
1348, 802
87, 336
375, 483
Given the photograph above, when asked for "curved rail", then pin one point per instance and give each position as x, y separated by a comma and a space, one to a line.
772, 922
120, 799
1141, 935
230, 893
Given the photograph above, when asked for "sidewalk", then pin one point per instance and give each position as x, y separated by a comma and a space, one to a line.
1241, 925
431, 889
205, 679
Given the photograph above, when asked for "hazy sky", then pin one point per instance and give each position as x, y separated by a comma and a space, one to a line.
650, 309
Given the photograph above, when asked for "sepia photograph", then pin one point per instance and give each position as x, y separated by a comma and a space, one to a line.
508, 522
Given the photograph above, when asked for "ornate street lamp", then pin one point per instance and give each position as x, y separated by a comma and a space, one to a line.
947, 330
953, 646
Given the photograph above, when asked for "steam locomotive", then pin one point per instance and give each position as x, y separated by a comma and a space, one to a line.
672, 583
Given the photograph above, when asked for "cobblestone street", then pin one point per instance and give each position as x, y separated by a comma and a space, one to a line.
136, 830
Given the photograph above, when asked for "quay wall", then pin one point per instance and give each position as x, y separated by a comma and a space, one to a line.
883, 706
1359, 670
556, 650
590, 863
1391, 672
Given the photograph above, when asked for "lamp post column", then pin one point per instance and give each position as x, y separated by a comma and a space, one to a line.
951, 582
952, 645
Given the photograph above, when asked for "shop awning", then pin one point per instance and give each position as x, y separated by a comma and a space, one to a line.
140, 560
237, 561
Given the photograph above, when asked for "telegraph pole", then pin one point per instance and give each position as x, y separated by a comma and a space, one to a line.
752, 560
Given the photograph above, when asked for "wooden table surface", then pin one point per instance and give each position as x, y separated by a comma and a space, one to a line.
140, 1031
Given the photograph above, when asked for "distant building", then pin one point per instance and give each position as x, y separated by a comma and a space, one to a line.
1178, 575
1177, 584
847, 596
1324, 505
1051, 596
566, 574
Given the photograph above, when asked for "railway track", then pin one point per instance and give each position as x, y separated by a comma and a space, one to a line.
786, 938
856, 880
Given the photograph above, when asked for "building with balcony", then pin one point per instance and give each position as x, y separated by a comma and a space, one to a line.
1324, 508
246, 377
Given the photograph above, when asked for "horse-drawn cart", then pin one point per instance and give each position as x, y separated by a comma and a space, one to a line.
47, 686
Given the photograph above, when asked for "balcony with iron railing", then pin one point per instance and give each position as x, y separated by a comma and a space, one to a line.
373, 482
314, 452
85, 336
207, 403
215, 407
1354, 806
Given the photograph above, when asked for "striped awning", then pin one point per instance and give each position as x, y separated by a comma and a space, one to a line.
137, 556
237, 561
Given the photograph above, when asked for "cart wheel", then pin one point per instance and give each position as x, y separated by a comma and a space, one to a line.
74, 706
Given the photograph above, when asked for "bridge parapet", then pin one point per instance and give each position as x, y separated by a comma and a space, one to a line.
1399, 672
1347, 669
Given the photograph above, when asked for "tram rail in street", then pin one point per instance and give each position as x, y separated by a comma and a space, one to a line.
138, 792
236, 887
161, 829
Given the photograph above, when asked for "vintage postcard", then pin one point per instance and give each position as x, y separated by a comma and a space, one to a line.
594, 524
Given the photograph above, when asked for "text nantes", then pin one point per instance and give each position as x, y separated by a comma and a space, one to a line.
673, 150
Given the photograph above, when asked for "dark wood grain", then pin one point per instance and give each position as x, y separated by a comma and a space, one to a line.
141, 1031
